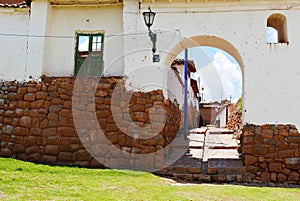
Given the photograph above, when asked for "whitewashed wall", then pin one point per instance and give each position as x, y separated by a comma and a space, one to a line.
270, 72
13, 48
62, 23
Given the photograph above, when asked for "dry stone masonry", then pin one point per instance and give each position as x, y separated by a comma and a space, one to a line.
271, 153
37, 122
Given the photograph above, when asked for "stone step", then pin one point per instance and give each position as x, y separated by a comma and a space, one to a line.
225, 166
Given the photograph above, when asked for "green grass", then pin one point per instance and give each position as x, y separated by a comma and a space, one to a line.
26, 181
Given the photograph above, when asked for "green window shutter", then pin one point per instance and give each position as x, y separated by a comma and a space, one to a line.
89, 54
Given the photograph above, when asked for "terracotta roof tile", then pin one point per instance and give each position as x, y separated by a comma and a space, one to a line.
191, 64
15, 3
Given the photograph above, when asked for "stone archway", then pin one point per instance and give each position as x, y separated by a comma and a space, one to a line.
211, 41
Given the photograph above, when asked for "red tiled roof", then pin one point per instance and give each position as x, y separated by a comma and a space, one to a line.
15, 3
191, 64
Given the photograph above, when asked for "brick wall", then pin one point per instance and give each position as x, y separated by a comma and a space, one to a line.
271, 153
37, 122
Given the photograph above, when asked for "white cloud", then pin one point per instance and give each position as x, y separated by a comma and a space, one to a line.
221, 79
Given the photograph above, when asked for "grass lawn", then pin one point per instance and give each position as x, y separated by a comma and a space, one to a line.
27, 181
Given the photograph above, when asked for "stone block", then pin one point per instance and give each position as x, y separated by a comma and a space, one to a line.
211, 170
37, 104
5, 152
252, 169
41, 95
248, 149
31, 89
16, 139
7, 129
285, 153
83, 155
250, 160
35, 131
267, 133
25, 121
29, 141
49, 159
221, 178
293, 139
113, 137
22, 90
275, 167
265, 176
286, 171
292, 163
53, 140
293, 132
18, 148
281, 145
9, 113
52, 150
283, 132
67, 132
111, 128
20, 131
230, 178
29, 97
247, 140
273, 177
35, 157
32, 150
281, 177
294, 176
24, 104
65, 156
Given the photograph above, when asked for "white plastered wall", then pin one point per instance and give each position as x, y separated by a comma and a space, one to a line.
270, 72
64, 21
13, 48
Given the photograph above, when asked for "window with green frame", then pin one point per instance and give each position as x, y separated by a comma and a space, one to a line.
89, 54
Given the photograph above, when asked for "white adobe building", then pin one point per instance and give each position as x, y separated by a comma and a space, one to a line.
41, 39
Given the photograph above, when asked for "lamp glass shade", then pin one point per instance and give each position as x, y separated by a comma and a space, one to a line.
149, 18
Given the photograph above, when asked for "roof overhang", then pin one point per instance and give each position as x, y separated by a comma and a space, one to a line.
86, 2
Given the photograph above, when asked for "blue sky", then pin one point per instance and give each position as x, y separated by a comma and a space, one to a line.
220, 75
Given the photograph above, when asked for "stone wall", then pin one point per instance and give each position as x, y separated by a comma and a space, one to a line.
271, 153
37, 120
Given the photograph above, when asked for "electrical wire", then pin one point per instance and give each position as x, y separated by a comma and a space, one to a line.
73, 37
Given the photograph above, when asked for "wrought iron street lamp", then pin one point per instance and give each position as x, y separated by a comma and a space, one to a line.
149, 18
